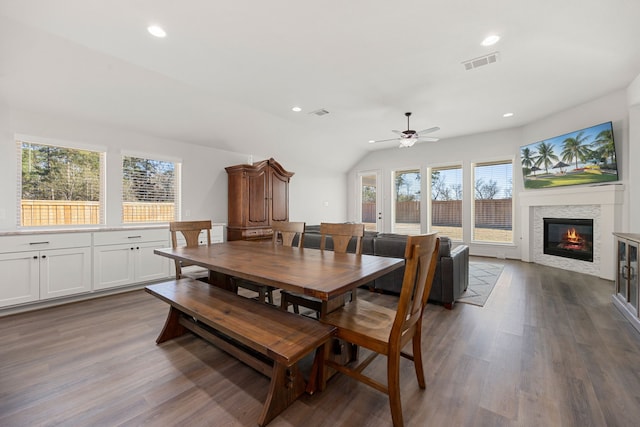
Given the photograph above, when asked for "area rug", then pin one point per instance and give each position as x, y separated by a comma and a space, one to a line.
482, 278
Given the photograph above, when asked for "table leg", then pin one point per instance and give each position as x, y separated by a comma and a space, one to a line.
172, 327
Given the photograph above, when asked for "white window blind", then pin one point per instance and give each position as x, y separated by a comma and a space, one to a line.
149, 190
59, 185
446, 201
493, 210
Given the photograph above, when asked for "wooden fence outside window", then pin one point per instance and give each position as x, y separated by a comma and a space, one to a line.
36, 213
491, 213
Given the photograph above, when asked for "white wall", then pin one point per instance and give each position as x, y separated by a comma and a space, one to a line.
633, 173
7, 169
204, 180
494, 146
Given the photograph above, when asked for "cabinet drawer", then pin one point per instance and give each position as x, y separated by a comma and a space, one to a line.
38, 242
129, 236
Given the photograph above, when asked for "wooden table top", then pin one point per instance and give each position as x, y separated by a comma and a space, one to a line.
321, 274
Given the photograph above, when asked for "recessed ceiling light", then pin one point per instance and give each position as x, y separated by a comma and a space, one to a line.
371, 141
156, 31
296, 109
490, 40
507, 115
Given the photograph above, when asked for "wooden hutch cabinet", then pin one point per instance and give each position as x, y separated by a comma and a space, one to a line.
258, 195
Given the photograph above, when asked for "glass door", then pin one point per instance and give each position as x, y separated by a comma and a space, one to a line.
370, 203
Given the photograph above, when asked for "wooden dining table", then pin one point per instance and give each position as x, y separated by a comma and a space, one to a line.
318, 273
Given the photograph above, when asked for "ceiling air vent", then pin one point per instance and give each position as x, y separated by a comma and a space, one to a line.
320, 112
481, 61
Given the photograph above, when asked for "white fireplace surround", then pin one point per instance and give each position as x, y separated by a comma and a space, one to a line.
602, 203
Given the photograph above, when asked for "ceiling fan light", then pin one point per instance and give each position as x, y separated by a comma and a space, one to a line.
408, 142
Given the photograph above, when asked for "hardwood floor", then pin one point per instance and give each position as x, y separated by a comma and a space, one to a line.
548, 349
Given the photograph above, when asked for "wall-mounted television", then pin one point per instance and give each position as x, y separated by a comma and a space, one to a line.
586, 156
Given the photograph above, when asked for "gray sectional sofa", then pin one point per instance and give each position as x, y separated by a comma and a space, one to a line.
452, 272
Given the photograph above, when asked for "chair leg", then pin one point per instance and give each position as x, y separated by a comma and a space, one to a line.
261, 294
393, 383
417, 358
270, 295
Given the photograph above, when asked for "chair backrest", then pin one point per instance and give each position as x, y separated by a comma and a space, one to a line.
285, 232
190, 230
341, 234
421, 255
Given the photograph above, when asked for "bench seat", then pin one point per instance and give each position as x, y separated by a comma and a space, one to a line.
270, 340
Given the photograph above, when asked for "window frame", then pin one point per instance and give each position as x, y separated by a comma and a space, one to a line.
20, 139
177, 163
429, 216
472, 181
394, 195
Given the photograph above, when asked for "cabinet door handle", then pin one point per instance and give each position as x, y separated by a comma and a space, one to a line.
44, 256
134, 237
35, 257
39, 243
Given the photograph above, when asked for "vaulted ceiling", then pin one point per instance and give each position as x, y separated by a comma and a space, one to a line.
228, 72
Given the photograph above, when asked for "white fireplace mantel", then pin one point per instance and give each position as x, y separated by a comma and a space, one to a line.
608, 198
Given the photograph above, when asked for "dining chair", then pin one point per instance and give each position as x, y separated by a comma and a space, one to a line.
191, 232
284, 233
386, 331
341, 235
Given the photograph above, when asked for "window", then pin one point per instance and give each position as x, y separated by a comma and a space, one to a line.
59, 185
446, 201
493, 211
406, 208
149, 190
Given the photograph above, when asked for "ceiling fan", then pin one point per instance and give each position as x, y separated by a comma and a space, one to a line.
409, 137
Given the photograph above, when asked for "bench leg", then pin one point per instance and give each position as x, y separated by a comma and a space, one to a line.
287, 384
172, 327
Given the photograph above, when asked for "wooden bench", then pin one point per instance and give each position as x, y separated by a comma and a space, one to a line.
269, 340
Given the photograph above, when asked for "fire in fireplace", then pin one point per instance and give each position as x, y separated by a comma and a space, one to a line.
569, 238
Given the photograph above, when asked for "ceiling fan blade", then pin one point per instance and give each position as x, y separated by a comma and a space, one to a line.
383, 140
399, 132
428, 139
433, 129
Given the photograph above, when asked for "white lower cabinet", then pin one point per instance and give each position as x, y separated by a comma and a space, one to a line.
122, 258
65, 272
39, 267
20, 278
36, 267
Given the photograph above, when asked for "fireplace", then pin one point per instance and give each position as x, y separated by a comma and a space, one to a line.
569, 238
